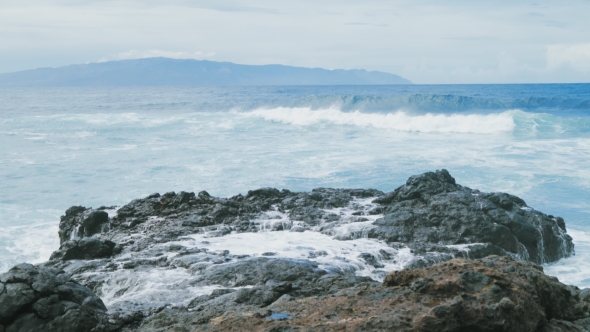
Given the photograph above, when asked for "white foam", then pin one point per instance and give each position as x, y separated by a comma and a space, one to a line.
328, 252
123, 147
157, 287
574, 270
454, 123
110, 119
351, 226
112, 212
463, 247
32, 243
174, 150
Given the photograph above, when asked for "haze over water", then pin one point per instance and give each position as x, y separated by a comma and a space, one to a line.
106, 146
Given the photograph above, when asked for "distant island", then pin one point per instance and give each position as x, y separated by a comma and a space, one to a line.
180, 72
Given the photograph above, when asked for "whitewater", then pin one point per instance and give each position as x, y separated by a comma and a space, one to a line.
106, 146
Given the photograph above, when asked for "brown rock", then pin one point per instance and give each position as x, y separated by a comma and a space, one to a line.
490, 294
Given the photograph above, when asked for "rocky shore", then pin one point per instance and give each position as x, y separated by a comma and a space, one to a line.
272, 260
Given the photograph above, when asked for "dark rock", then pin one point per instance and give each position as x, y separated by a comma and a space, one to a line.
258, 271
261, 296
263, 193
431, 209
94, 221
371, 260
458, 295
85, 248
45, 299
518, 294
79, 221
432, 215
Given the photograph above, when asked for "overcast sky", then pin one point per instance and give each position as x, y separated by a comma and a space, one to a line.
453, 41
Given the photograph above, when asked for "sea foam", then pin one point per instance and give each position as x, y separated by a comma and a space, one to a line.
400, 120
93, 147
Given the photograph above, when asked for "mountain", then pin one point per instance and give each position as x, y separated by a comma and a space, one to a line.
175, 72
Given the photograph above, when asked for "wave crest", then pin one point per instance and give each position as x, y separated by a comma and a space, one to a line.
401, 121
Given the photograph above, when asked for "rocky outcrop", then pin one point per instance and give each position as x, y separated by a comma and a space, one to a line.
79, 222
432, 212
43, 299
172, 215
491, 294
85, 248
161, 261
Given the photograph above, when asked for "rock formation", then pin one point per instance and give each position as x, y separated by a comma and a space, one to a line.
490, 294
431, 211
36, 298
161, 262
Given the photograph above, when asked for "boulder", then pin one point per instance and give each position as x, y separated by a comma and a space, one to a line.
258, 271
79, 222
431, 211
85, 248
494, 293
36, 299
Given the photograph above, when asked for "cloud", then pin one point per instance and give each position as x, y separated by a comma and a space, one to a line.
576, 56
381, 25
555, 24
135, 54
427, 41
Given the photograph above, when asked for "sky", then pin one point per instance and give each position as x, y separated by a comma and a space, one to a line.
425, 41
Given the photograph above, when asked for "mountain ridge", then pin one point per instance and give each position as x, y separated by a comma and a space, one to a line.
187, 72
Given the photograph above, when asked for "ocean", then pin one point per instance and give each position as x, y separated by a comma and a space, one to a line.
106, 146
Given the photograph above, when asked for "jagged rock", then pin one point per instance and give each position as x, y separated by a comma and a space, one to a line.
85, 248
432, 210
491, 294
496, 292
254, 301
80, 221
44, 299
258, 271
431, 213
431, 218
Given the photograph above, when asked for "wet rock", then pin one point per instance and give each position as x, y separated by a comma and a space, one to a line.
94, 222
371, 260
491, 294
262, 296
45, 299
431, 215
432, 209
297, 228
258, 271
85, 248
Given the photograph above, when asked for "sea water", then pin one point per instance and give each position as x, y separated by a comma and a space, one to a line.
106, 146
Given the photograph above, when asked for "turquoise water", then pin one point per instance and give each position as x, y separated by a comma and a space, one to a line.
105, 146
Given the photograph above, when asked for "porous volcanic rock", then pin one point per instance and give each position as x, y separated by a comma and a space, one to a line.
431, 219
431, 212
172, 215
38, 299
490, 294
85, 248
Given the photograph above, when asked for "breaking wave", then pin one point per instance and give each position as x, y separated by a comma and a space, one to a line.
400, 120
367, 101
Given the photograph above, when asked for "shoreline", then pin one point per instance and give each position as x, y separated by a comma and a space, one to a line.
186, 256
